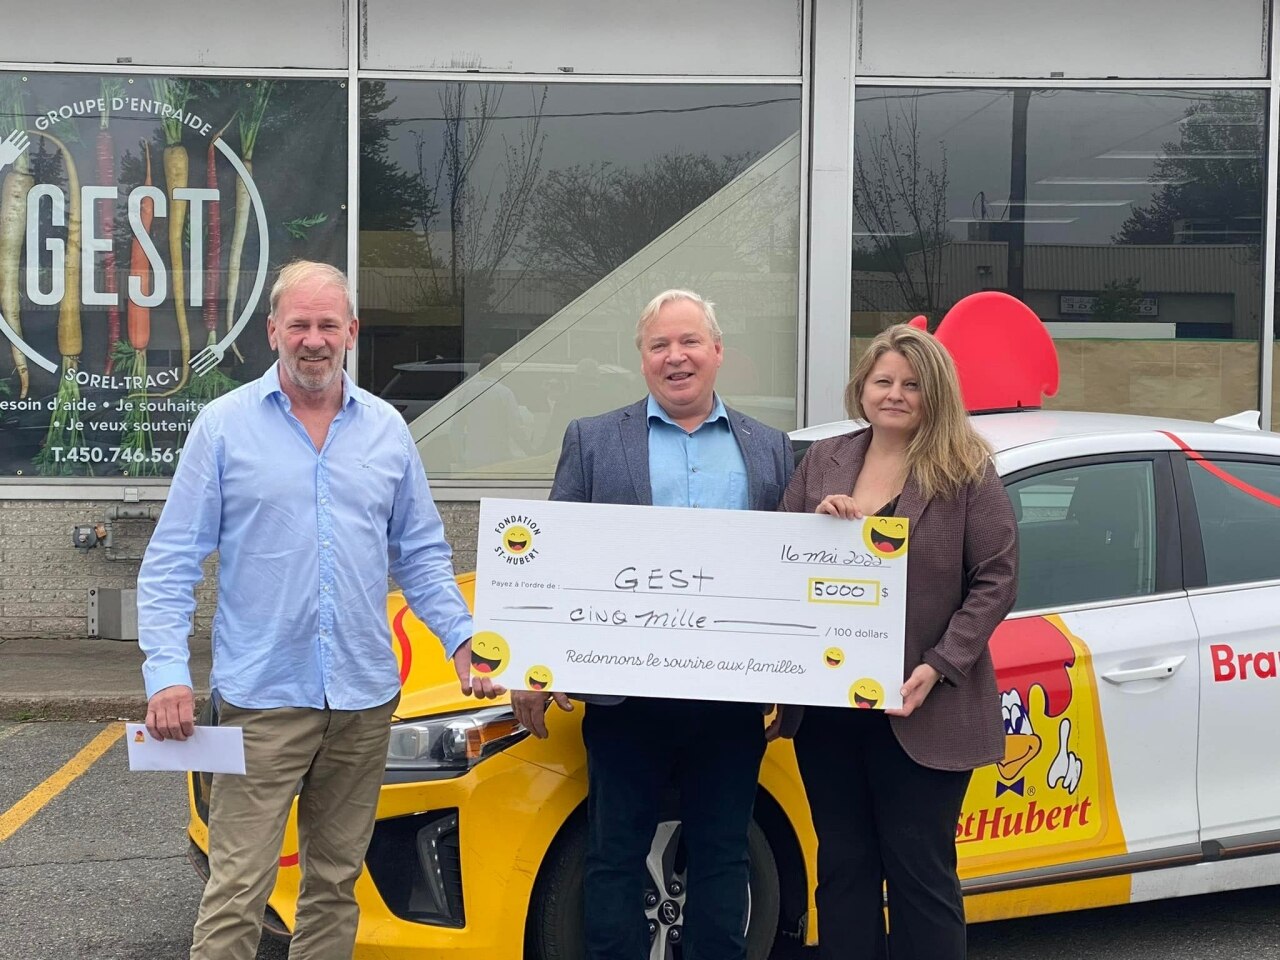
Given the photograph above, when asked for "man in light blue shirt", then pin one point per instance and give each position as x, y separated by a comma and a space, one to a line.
680, 447
703, 469
311, 491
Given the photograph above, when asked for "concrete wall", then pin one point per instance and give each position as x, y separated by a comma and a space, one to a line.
45, 581
1188, 379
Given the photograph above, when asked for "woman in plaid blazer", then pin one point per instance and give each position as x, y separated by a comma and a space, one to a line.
886, 787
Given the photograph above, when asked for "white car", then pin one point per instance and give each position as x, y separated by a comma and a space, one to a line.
1139, 669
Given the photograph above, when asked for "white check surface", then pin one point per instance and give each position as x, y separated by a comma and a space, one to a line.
705, 604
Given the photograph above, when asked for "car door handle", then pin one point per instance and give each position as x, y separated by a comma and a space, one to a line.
1155, 670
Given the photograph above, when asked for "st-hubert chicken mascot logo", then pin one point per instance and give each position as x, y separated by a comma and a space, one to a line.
1052, 788
1030, 654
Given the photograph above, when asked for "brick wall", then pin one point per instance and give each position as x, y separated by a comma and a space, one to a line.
45, 581
460, 520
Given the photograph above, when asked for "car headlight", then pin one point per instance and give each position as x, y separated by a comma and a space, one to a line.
456, 741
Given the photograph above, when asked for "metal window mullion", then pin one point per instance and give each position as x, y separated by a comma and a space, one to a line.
178, 70
1266, 340
355, 10
478, 76
830, 212
802, 261
1041, 83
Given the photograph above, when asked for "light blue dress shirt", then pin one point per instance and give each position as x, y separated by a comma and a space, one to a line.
305, 540
704, 468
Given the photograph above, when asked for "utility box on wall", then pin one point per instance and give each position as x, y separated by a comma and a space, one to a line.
113, 613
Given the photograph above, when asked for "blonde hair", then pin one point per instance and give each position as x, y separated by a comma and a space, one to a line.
946, 454
670, 296
298, 272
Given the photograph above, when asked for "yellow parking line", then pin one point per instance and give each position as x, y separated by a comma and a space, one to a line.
26, 808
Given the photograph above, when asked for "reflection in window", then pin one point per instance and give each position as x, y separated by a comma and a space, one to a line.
1085, 534
1240, 528
1129, 220
1275, 355
511, 233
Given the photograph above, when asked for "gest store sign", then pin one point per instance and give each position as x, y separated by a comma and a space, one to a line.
90, 243
134, 251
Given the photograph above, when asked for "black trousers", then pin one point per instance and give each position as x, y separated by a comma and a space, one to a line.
881, 818
635, 751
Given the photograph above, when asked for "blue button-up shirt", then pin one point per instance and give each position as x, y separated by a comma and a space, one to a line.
704, 468
305, 540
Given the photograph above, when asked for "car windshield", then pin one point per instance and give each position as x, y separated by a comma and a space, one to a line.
423, 382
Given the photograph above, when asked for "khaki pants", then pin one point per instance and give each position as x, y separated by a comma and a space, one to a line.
339, 756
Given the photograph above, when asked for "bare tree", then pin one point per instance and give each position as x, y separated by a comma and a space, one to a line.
589, 219
901, 204
483, 228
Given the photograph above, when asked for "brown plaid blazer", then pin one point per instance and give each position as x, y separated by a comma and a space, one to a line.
961, 581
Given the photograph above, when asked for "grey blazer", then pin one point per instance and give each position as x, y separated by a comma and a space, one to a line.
962, 578
605, 459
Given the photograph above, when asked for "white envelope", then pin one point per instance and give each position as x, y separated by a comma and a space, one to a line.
210, 749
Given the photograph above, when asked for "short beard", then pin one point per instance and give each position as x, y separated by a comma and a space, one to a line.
309, 381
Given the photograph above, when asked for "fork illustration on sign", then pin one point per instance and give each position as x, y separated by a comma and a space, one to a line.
13, 146
212, 355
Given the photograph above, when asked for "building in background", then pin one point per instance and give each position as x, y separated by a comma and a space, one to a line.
508, 183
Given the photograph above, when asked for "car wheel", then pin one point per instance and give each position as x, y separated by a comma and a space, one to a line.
555, 929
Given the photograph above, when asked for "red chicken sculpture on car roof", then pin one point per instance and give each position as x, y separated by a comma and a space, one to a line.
1003, 353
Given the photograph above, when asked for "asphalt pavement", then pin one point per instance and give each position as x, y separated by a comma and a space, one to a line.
93, 858
98, 869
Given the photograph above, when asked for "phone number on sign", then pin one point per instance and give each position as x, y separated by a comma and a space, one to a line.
115, 455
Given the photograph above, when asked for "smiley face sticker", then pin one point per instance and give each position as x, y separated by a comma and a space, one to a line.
538, 677
833, 657
489, 654
517, 539
866, 694
885, 536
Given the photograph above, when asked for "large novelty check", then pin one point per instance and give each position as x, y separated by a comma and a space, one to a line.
706, 604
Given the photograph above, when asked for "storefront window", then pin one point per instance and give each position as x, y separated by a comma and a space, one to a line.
139, 220
1086, 38
1275, 354
511, 233
1129, 220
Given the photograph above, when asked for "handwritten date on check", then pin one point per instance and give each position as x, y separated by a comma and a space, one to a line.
704, 604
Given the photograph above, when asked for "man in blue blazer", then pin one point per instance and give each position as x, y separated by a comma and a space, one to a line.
679, 447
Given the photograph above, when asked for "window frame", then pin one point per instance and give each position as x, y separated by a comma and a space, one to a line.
1195, 566
1169, 574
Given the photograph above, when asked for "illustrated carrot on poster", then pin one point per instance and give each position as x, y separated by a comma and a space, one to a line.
176, 94
106, 155
213, 383
135, 444
250, 124
65, 434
